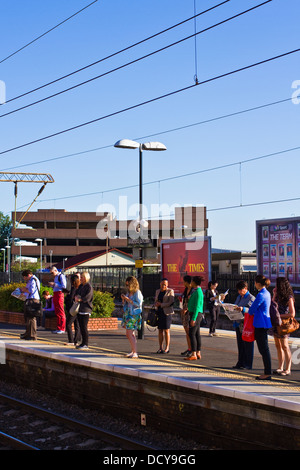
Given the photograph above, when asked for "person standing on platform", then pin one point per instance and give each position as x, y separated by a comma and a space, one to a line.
59, 285
71, 320
33, 290
262, 322
211, 296
164, 301
184, 312
132, 319
195, 311
245, 348
284, 297
84, 294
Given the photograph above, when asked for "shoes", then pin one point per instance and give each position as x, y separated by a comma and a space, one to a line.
159, 351
186, 353
166, 352
198, 356
82, 346
191, 358
28, 338
263, 377
58, 332
238, 367
281, 372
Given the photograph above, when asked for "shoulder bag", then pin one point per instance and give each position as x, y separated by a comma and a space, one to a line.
288, 325
74, 308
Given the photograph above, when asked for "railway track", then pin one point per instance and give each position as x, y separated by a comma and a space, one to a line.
24, 426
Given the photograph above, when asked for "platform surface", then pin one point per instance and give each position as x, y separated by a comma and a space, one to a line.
213, 373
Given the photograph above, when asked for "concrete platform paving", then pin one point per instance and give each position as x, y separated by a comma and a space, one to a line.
213, 373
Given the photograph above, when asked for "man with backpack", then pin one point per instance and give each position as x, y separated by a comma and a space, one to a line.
59, 286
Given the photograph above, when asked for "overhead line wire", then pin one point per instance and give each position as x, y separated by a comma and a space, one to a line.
47, 32
207, 170
152, 100
131, 62
114, 54
206, 121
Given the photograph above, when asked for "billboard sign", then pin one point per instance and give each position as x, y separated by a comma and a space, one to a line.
185, 256
278, 248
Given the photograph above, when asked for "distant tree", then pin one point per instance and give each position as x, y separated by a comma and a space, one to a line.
5, 229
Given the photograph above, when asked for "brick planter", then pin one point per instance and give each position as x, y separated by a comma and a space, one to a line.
16, 318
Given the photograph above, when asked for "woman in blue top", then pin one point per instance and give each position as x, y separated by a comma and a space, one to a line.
262, 323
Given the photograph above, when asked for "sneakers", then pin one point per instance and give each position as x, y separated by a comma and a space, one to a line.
58, 332
82, 346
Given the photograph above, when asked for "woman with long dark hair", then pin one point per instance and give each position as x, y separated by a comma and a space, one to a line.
284, 297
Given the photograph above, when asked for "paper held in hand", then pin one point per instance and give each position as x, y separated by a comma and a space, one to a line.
19, 294
231, 312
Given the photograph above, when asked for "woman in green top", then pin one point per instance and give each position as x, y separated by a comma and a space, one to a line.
195, 309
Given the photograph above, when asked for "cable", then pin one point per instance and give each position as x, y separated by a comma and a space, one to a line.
252, 204
47, 32
143, 103
207, 170
155, 134
114, 54
129, 63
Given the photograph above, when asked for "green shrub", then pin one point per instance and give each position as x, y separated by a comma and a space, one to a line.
12, 304
103, 304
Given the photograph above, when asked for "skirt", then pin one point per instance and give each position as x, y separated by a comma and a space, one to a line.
131, 321
164, 321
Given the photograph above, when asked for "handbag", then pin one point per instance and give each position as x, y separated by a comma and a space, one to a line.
74, 309
288, 325
248, 330
152, 318
33, 308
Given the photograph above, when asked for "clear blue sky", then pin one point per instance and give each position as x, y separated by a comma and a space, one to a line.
103, 29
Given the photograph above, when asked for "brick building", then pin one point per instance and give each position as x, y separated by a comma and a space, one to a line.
66, 234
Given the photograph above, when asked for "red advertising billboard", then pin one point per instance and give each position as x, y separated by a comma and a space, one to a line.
278, 249
186, 256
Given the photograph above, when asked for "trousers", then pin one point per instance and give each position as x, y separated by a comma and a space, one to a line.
58, 301
194, 334
261, 338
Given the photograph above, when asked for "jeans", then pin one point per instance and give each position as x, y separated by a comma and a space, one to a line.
194, 334
261, 338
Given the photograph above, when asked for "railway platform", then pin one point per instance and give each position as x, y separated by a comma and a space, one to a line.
206, 397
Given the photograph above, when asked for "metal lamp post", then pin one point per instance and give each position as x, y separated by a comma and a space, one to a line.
153, 146
41, 247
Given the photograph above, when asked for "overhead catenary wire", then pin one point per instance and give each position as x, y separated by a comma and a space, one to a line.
125, 49
152, 100
205, 121
47, 32
120, 67
169, 178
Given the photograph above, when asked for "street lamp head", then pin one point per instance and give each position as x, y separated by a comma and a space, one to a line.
155, 146
38, 240
132, 144
127, 144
